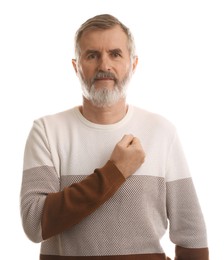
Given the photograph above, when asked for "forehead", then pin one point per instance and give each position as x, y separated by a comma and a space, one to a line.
98, 39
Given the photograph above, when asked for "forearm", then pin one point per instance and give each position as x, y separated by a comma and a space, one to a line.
187, 225
191, 253
64, 209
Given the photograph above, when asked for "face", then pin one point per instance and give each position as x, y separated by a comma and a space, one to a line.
104, 66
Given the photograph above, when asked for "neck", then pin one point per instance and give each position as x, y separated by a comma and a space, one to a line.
104, 115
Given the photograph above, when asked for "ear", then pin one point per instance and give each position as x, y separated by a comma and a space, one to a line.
135, 63
74, 65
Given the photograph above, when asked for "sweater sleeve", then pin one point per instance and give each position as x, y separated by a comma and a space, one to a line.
68, 207
45, 209
187, 225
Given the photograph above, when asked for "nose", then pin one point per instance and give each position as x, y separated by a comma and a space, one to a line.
104, 63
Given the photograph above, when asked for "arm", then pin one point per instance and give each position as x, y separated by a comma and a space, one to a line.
46, 211
192, 253
187, 226
64, 209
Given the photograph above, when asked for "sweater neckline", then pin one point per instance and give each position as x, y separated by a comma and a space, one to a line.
116, 125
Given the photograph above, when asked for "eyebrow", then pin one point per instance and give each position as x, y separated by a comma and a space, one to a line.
118, 50
91, 51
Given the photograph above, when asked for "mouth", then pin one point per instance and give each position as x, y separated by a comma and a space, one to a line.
104, 79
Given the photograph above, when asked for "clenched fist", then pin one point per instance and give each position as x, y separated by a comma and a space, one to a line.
128, 155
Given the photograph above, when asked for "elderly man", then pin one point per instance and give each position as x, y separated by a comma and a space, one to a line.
104, 179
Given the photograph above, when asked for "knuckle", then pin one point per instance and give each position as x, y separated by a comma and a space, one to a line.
119, 145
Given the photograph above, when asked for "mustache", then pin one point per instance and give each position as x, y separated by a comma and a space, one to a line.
104, 74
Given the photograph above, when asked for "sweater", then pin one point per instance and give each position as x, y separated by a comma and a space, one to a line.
77, 203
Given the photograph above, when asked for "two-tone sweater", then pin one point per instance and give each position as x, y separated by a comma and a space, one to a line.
77, 203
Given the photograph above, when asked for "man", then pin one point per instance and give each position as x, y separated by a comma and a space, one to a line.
102, 180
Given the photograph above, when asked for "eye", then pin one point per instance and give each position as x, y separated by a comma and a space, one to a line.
115, 54
92, 56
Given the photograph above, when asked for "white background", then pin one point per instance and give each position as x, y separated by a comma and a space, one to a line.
180, 75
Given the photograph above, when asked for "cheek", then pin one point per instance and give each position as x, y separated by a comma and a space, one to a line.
124, 69
87, 71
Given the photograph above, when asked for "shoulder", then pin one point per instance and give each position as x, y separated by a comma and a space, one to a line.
57, 118
56, 124
153, 120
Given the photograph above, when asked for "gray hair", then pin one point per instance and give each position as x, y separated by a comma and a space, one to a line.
103, 22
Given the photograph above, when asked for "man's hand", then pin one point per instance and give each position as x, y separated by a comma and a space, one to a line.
128, 155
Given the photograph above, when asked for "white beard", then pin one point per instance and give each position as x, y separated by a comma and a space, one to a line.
104, 97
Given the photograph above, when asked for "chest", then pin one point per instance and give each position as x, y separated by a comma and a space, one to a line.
80, 152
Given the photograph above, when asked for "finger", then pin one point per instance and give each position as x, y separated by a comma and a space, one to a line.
126, 140
135, 141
